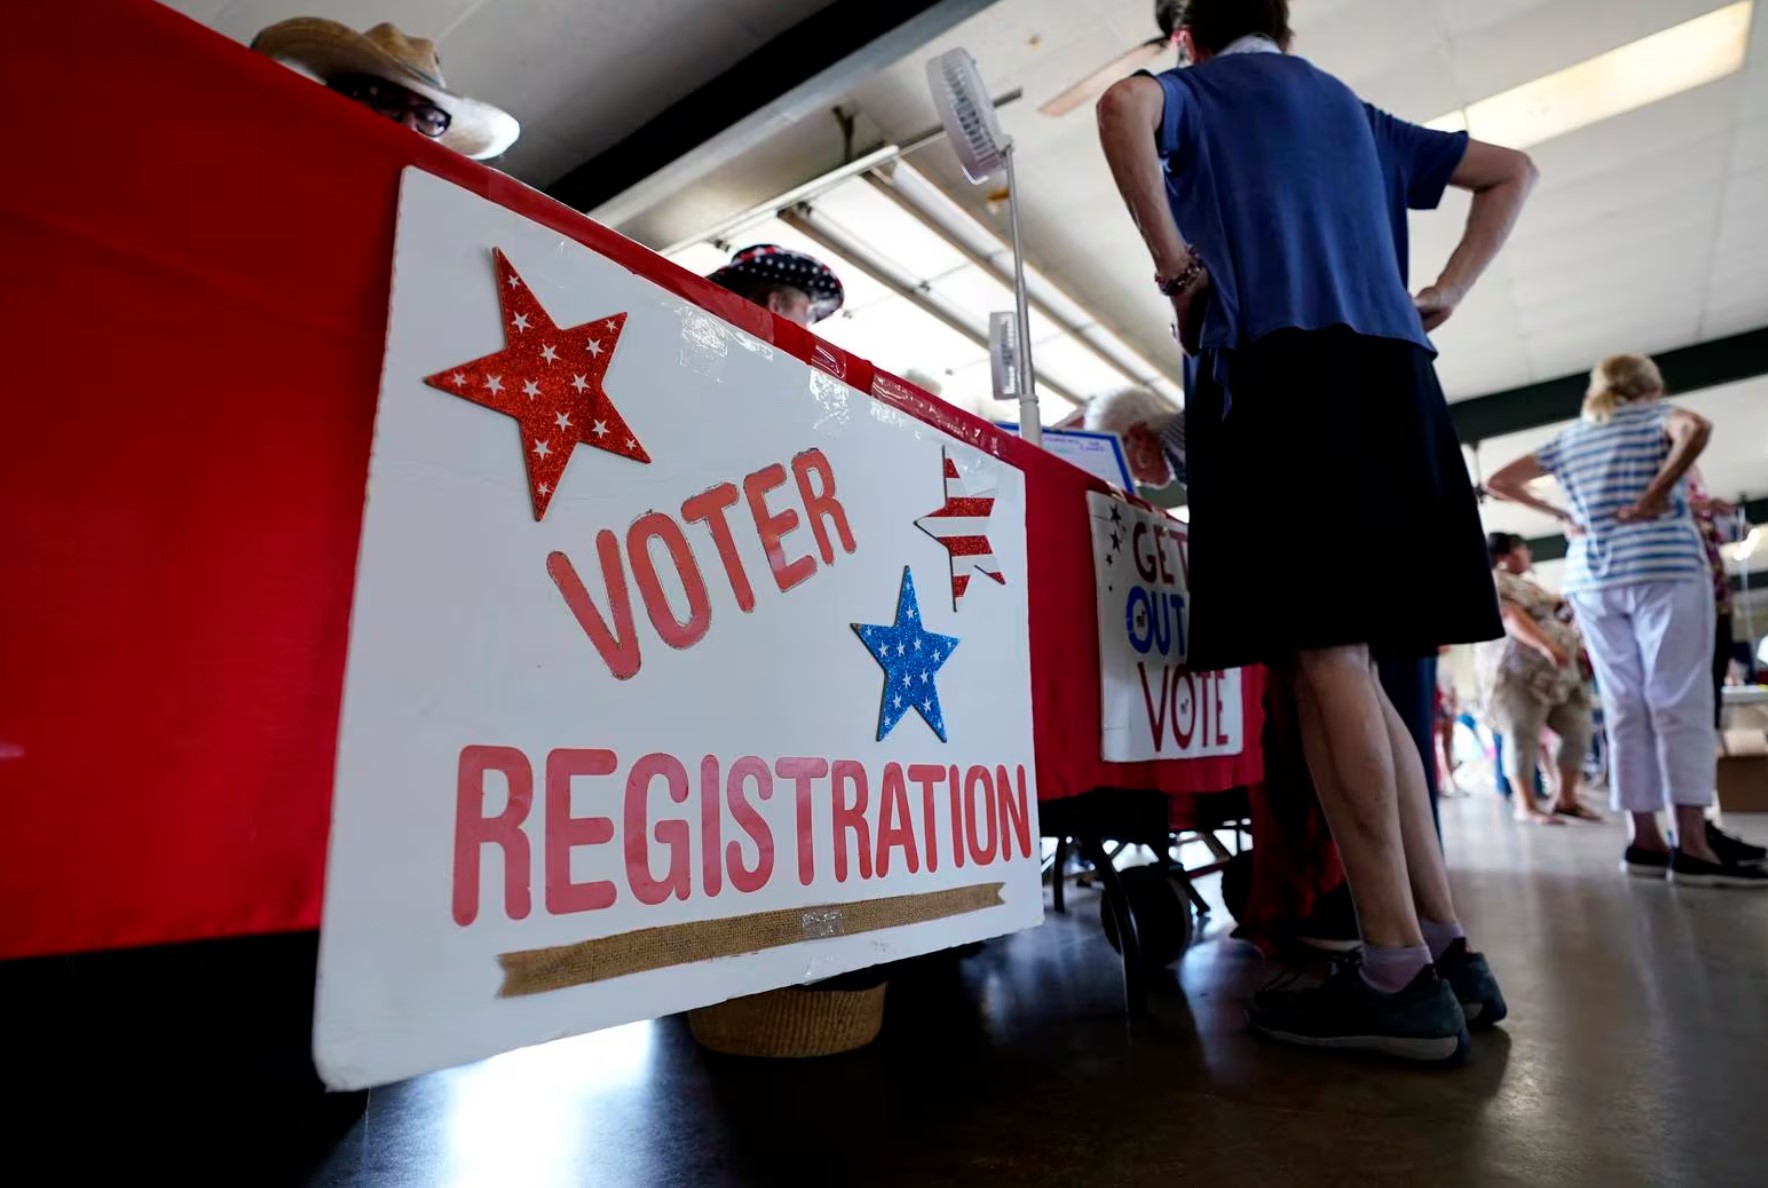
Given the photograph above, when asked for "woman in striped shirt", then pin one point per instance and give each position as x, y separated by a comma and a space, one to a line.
1636, 576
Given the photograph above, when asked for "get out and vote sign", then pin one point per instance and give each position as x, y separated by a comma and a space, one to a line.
678, 669
1152, 706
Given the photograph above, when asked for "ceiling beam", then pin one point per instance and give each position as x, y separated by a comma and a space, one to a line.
807, 69
1687, 369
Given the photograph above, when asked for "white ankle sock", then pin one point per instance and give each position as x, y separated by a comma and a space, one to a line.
1439, 936
1392, 970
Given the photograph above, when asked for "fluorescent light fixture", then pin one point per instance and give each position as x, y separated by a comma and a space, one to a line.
941, 211
1642, 72
922, 278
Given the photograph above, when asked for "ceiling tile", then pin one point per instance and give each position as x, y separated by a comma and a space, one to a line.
1636, 140
1459, 18
1419, 87
767, 19
1688, 176
198, 10
1748, 313
1544, 38
1603, 275
1683, 226
594, 89
1497, 367
1599, 307
1740, 277
1749, 149
1649, 332
1369, 38
1747, 190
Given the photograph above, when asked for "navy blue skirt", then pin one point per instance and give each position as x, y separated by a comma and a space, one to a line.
1330, 503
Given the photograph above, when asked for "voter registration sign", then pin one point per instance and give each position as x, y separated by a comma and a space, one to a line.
678, 670
1152, 706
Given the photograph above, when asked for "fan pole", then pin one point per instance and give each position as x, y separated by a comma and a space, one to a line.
1030, 426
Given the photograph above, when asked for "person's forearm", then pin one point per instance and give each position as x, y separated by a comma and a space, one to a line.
1519, 493
1129, 117
1683, 451
1524, 630
1489, 223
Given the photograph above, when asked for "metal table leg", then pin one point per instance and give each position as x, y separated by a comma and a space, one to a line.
1135, 985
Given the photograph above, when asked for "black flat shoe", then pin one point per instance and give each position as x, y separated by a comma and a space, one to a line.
1687, 871
1730, 848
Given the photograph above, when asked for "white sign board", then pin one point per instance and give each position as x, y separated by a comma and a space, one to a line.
661, 687
1152, 707
1099, 454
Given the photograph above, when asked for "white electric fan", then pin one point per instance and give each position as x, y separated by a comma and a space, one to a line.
969, 118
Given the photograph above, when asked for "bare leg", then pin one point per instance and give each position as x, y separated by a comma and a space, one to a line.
1445, 757
1350, 753
1571, 776
1691, 832
1571, 721
1522, 749
1643, 832
1426, 873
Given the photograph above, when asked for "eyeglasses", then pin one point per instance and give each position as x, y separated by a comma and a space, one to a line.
393, 101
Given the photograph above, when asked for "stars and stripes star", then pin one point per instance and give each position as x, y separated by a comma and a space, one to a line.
961, 525
910, 655
547, 408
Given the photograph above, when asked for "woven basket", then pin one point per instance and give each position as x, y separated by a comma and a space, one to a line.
791, 1023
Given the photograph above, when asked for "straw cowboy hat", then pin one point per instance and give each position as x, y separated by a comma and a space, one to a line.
773, 264
328, 49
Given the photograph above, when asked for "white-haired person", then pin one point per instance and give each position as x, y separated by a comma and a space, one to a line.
1637, 578
1153, 432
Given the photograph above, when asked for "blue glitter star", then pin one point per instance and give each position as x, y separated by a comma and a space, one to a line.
910, 656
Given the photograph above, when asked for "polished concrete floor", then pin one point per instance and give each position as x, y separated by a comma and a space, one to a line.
1635, 1054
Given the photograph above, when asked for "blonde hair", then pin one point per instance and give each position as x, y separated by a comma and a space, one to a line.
1619, 380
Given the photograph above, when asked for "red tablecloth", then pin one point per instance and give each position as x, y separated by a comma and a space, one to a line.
194, 267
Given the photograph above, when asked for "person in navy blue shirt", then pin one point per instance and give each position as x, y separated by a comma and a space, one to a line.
1274, 203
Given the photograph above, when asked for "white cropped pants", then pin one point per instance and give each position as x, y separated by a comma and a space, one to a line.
1651, 644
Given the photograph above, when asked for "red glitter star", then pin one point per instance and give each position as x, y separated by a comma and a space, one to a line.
550, 380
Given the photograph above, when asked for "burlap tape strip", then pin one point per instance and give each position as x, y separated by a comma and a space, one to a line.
535, 971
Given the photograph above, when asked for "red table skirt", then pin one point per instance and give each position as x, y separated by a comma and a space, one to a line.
194, 270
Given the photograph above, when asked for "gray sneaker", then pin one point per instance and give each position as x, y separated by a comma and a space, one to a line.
1422, 1023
